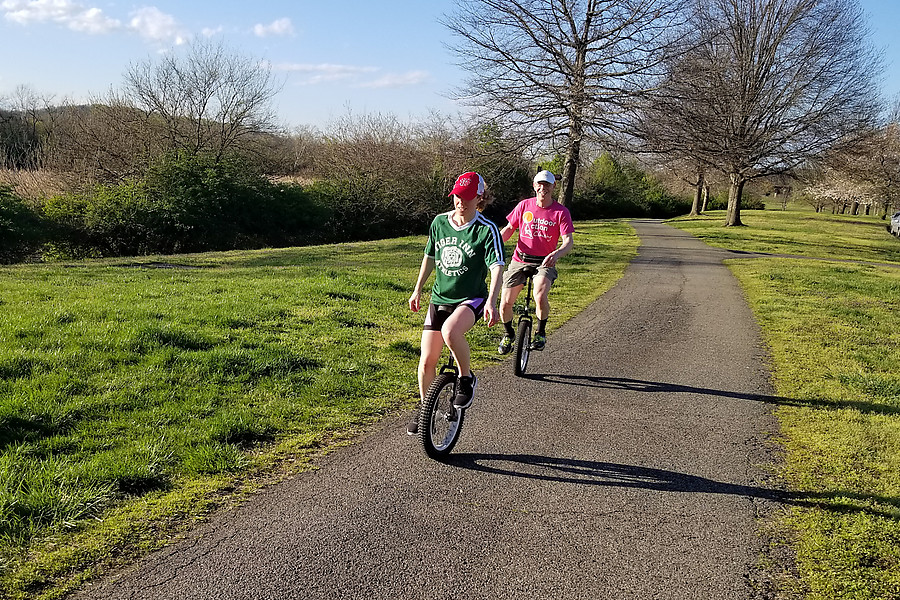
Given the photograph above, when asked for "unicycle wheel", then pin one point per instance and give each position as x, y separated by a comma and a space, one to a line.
440, 422
523, 347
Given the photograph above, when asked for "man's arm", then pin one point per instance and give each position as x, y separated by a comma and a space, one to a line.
567, 243
506, 232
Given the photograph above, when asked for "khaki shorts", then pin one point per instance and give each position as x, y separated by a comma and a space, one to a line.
517, 273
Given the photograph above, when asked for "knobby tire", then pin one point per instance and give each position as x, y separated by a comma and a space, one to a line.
439, 422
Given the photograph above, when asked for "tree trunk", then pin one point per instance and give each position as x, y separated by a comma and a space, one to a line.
576, 121
573, 152
705, 197
698, 195
734, 201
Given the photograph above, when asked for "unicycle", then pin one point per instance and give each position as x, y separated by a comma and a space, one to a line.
440, 423
523, 330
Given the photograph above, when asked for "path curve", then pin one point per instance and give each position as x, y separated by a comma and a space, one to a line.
629, 466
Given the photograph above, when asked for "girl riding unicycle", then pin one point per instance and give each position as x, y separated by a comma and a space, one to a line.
463, 247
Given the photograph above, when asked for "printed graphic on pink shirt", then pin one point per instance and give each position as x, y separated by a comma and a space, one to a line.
539, 228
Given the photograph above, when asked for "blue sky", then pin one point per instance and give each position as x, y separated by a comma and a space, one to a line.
336, 56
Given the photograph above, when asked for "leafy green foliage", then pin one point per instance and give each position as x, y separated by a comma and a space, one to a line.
555, 165
184, 203
21, 233
614, 189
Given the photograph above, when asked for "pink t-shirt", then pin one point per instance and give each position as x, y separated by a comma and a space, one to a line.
539, 228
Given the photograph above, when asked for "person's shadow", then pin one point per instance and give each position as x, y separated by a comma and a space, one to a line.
643, 385
582, 472
605, 474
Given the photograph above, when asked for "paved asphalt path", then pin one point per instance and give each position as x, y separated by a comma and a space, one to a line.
628, 466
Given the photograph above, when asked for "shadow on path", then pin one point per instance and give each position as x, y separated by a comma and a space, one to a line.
641, 385
604, 474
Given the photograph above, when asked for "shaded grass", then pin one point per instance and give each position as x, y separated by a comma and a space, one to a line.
147, 387
833, 332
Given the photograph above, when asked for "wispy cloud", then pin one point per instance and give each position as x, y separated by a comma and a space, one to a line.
311, 74
278, 27
63, 12
397, 80
356, 76
150, 23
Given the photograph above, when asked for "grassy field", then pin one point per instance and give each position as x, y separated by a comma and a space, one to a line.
833, 332
137, 395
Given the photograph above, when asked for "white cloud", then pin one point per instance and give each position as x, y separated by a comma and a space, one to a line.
212, 31
156, 26
63, 12
397, 80
149, 22
278, 27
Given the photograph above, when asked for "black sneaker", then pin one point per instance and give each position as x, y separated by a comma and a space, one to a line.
538, 342
465, 391
413, 427
505, 346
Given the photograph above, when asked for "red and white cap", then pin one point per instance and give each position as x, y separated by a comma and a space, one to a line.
468, 186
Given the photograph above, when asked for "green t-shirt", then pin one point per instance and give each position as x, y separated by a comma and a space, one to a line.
462, 257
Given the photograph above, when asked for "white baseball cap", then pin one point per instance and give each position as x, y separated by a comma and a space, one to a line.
545, 176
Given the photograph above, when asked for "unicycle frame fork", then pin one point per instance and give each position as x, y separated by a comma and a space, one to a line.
450, 367
526, 311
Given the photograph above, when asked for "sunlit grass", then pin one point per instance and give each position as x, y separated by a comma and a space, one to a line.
798, 231
134, 391
833, 332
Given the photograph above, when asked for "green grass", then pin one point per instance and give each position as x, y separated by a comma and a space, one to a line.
800, 232
833, 332
136, 397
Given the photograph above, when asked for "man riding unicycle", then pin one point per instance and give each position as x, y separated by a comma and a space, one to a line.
541, 222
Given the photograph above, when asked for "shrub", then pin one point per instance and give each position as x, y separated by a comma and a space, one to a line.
615, 190
106, 220
21, 229
748, 202
185, 203
221, 204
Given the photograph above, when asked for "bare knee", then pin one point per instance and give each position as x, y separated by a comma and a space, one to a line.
428, 362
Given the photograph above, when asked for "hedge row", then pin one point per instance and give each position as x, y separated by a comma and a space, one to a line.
196, 203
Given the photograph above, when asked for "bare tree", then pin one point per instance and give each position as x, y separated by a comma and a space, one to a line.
26, 128
207, 100
868, 169
561, 72
767, 86
878, 161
